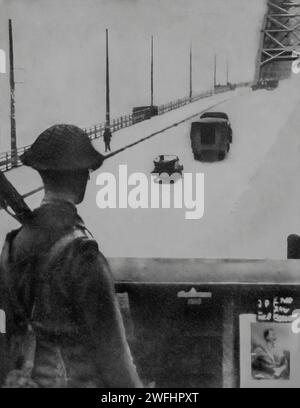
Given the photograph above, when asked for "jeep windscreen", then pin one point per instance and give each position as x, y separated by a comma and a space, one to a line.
208, 134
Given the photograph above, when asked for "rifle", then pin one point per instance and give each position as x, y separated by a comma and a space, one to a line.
10, 198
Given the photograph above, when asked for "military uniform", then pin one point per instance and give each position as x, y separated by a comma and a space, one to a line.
60, 289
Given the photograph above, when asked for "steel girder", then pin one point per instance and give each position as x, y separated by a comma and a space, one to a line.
280, 36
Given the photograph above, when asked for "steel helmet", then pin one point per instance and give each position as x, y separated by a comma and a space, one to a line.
62, 148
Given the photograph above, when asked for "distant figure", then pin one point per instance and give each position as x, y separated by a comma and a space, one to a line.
107, 138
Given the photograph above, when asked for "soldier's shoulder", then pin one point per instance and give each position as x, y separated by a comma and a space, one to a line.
6, 260
89, 257
9, 239
10, 236
86, 247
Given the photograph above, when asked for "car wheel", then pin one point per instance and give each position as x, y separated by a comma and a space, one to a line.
221, 155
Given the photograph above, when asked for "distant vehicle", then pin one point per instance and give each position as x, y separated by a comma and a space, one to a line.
168, 164
272, 84
211, 138
268, 84
140, 113
223, 88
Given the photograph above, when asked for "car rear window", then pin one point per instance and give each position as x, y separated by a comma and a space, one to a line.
214, 115
208, 136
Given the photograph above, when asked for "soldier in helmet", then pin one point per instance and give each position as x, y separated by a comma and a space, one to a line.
61, 306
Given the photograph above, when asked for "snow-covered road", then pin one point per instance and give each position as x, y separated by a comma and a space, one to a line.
251, 198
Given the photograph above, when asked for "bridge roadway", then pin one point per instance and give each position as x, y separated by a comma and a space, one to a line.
250, 197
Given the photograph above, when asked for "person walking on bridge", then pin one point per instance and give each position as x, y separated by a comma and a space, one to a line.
107, 138
64, 327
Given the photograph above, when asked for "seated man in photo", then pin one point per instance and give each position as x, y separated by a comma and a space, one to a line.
268, 362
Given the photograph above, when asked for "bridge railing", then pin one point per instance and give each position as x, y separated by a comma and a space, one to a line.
178, 103
9, 160
96, 131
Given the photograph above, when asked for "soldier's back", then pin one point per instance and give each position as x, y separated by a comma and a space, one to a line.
48, 264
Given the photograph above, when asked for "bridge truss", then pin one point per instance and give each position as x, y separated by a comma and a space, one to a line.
280, 38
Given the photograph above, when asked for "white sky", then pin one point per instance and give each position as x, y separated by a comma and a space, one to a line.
61, 46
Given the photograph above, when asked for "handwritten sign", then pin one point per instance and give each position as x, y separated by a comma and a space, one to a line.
276, 309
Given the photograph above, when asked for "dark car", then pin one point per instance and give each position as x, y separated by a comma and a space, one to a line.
272, 84
210, 138
268, 84
140, 113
